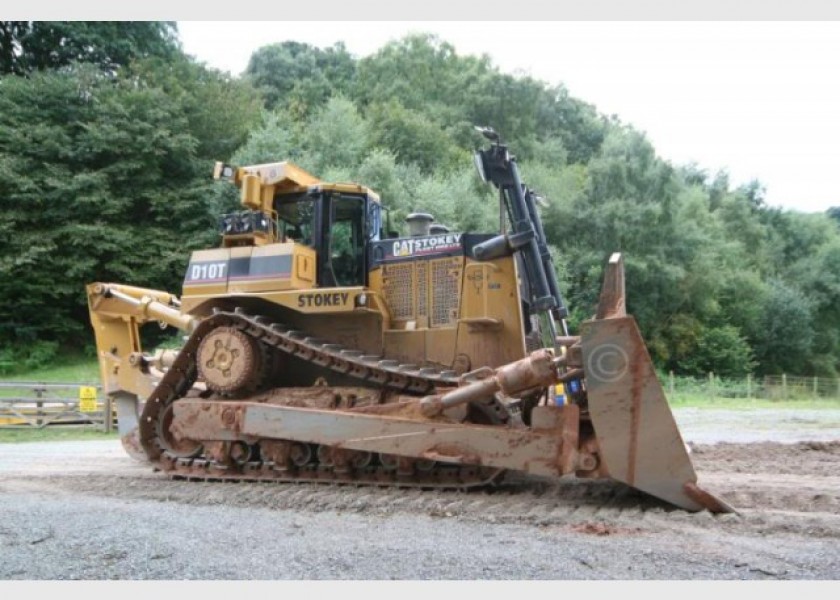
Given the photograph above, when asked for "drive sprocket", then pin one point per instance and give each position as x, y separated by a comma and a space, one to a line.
229, 360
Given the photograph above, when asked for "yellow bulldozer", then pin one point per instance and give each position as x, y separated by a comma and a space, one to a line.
321, 346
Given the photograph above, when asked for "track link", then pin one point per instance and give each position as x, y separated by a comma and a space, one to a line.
187, 463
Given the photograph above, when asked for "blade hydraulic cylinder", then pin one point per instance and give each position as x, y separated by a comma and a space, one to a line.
527, 235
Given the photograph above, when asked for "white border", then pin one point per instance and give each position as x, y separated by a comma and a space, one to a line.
444, 10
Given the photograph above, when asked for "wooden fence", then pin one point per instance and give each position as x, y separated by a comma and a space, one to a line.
25, 405
769, 387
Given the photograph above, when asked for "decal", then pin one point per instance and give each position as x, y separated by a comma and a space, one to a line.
425, 245
323, 299
207, 272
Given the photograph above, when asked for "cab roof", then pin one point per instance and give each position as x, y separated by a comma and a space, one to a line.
287, 177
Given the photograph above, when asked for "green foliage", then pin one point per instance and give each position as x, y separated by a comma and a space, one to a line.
103, 178
785, 337
122, 154
299, 75
412, 137
28, 357
721, 350
47, 361
336, 135
453, 200
219, 110
27, 46
276, 138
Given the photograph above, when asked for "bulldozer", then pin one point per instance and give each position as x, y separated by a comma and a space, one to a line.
318, 345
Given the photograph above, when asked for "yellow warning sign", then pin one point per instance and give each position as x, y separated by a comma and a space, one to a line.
87, 398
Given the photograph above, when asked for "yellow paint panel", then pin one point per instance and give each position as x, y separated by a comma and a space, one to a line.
406, 346
250, 193
305, 262
490, 329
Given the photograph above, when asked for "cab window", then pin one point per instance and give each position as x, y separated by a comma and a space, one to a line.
347, 235
296, 219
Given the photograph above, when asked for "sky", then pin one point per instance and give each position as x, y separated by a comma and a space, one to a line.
758, 99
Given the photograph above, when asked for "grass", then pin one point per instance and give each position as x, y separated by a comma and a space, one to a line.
74, 370
71, 370
78, 370
693, 400
53, 434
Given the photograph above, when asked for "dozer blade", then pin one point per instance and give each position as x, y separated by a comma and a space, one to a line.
639, 441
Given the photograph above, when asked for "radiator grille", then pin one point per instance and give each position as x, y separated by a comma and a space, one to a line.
406, 290
422, 289
446, 277
397, 284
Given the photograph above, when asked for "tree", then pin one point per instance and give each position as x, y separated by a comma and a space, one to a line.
277, 138
220, 110
412, 137
721, 350
299, 75
420, 71
119, 151
100, 180
424, 74
28, 46
786, 333
336, 135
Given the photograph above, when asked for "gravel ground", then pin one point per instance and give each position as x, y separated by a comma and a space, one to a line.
83, 510
705, 426
147, 540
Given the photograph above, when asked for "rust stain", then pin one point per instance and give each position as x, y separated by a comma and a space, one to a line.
569, 430
636, 368
705, 499
228, 416
131, 444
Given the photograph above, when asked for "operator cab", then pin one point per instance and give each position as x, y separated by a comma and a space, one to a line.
337, 224
285, 204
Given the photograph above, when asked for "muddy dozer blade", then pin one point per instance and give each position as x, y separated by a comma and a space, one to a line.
637, 435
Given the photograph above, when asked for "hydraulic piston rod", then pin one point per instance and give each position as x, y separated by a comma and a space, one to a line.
151, 308
538, 370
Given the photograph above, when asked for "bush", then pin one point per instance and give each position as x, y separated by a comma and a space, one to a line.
721, 350
27, 358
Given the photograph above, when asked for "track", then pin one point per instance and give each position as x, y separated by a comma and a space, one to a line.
286, 461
